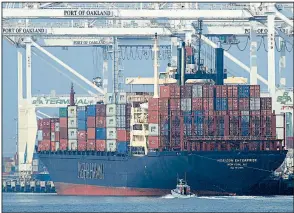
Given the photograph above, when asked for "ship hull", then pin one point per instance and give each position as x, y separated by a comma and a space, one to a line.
155, 174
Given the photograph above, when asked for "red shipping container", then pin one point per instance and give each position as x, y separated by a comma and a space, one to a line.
63, 133
244, 104
46, 123
100, 122
208, 104
123, 135
52, 127
163, 104
82, 135
82, 145
175, 104
234, 113
40, 124
100, 145
63, 144
255, 91
197, 103
63, 122
46, 145
91, 145
153, 142
233, 91
175, 91
233, 104
91, 133
91, 121
207, 91
153, 104
101, 110
53, 147
165, 92
153, 117
46, 134
221, 91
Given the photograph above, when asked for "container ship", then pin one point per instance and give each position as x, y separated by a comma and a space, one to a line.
222, 138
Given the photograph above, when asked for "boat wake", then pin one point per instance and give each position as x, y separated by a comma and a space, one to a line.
168, 196
212, 198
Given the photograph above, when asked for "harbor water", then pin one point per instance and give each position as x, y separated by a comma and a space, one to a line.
24, 202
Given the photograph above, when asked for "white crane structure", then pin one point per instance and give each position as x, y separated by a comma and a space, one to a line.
100, 24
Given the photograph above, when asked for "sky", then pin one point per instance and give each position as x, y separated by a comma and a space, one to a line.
45, 78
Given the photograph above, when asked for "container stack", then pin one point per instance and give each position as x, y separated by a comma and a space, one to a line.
91, 127
54, 129
44, 134
100, 127
72, 128
63, 144
82, 128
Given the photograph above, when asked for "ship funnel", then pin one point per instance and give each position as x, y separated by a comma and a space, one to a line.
72, 96
155, 49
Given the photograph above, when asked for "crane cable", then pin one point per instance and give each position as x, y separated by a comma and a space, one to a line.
245, 45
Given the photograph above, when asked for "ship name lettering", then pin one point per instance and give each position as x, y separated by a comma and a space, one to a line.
90, 171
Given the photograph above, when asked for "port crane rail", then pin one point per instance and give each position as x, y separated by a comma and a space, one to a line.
158, 12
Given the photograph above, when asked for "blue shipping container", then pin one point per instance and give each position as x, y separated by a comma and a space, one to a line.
82, 115
221, 104
100, 133
122, 147
243, 91
91, 111
82, 125
245, 132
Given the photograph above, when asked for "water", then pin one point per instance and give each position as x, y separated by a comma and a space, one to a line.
53, 203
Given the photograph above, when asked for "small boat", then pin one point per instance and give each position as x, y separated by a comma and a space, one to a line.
182, 190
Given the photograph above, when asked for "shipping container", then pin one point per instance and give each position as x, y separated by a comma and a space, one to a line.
153, 129
52, 124
100, 134
254, 103
45, 123
254, 91
40, 135
91, 132
153, 142
72, 111
207, 91
186, 104
153, 104
153, 117
111, 133
233, 104
82, 135
91, 111
110, 110
123, 135
91, 122
121, 109
46, 145
266, 103
72, 145
221, 91
81, 110
54, 146
101, 110
221, 104
57, 126
82, 145
63, 122
82, 125
197, 91
63, 144
186, 91
244, 103
164, 92
100, 122
57, 136
175, 104
121, 122
72, 134
100, 145
208, 104
63, 112
243, 91
233, 91
122, 98
63, 133
122, 147
197, 103
53, 136
109, 98
111, 122
163, 105
111, 145
46, 134
72, 123
91, 144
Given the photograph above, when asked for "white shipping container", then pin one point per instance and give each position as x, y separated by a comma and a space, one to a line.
109, 98
56, 145
110, 110
244, 112
254, 103
122, 98
111, 133
35, 168
197, 91
153, 129
186, 104
121, 110
72, 123
111, 145
110, 122
72, 111
72, 134
52, 136
57, 126
72, 144
121, 121
40, 135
